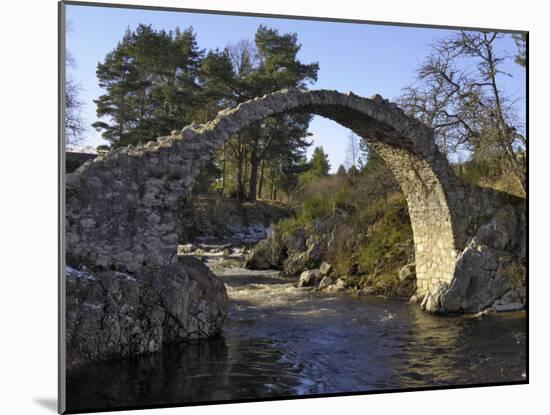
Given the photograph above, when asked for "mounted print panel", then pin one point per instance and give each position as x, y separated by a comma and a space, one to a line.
262, 207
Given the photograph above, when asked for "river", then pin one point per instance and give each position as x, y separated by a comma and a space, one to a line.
282, 341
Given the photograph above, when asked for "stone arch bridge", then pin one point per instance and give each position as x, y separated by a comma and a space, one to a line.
121, 208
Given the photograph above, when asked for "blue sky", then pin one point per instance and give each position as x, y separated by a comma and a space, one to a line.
367, 59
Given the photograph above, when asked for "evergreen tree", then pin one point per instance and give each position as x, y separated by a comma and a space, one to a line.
217, 83
521, 43
341, 172
150, 80
279, 68
158, 81
374, 162
318, 166
266, 149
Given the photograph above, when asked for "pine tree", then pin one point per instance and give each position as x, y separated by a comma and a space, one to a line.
341, 172
150, 80
319, 165
521, 43
279, 68
266, 149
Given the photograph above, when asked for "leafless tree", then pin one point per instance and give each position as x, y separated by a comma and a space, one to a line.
457, 93
74, 120
352, 151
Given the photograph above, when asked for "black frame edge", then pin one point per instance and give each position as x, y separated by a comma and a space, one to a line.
61, 328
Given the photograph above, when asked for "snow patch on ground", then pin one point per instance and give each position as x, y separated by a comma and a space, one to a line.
75, 273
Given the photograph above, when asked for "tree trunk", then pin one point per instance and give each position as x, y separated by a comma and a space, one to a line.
261, 183
502, 127
240, 187
254, 164
272, 184
245, 171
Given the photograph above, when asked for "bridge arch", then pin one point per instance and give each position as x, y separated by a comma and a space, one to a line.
122, 207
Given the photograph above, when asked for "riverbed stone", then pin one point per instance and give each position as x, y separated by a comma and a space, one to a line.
334, 288
341, 282
309, 278
325, 282
415, 299
367, 291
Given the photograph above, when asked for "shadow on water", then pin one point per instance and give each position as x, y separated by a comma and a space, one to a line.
179, 374
195, 372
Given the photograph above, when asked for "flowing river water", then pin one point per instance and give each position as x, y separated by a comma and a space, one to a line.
281, 341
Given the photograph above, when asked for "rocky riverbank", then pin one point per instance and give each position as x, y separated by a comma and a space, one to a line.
223, 256
332, 250
112, 314
307, 253
324, 278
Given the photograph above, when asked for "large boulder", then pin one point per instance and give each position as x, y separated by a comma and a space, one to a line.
432, 301
258, 257
266, 254
501, 231
309, 278
479, 279
112, 314
316, 249
325, 268
295, 241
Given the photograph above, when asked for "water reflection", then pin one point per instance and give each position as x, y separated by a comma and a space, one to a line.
179, 374
461, 350
283, 341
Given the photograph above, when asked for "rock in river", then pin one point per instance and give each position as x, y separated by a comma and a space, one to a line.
325, 282
309, 278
